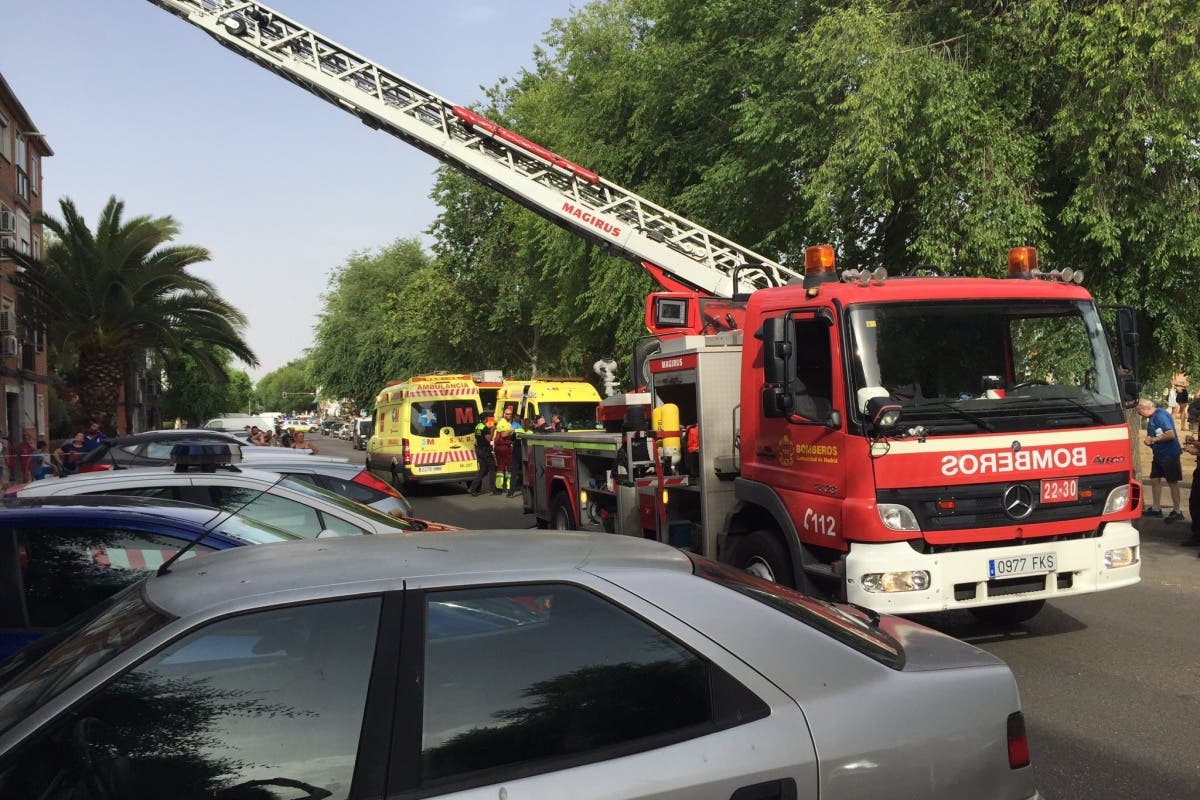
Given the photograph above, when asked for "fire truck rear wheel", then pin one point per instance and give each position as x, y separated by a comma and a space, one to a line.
1009, 613
762, 554
561, 518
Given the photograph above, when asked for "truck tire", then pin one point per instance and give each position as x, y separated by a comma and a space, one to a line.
1009, 613
561, 518
761, 553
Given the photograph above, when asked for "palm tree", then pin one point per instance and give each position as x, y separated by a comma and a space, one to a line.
107, 298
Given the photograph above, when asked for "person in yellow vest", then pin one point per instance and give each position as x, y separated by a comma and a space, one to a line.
503, 446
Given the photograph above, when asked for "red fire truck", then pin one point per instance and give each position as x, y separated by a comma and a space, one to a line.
910, 444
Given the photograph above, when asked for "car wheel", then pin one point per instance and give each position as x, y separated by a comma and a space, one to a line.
762, 554
1009, 613
561, 518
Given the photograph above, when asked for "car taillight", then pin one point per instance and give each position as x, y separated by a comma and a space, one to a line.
364, 478
1018, 742
407, 454
94, 467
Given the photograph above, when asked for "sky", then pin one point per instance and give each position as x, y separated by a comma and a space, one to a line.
279, 185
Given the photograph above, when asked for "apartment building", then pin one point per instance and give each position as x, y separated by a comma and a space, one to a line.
23, 369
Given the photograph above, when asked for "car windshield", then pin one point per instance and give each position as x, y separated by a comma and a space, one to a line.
399, 524
39, 673
574, 416
253, 531
986, 365
430, 418
856, 630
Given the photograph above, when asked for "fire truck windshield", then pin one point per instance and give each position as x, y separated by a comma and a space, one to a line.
986, 365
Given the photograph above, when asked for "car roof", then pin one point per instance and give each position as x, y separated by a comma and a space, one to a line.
379, 563
163, 474
168, 435
100, 506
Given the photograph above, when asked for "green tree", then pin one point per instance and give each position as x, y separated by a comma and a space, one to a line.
107, 297
193, 396
294, 380
903, 133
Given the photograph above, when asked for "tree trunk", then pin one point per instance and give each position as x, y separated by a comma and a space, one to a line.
101, 374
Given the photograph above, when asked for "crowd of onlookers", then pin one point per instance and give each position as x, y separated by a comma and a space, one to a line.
30, 460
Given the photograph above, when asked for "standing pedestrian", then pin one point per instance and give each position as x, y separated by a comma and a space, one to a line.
502, 446
515, 481
1162, 440
1192, 446
541, 426
1177, 400
485, 457
24, 462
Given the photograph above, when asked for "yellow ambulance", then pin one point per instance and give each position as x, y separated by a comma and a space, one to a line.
425, 430
572, 400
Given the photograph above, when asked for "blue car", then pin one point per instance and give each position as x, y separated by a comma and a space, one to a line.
62, 555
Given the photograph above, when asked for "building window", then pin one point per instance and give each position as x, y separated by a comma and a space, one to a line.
37, 247
22, 175
5, 138
35, 173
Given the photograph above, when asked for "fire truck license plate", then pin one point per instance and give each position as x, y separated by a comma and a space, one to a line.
1022, 565
1060, 490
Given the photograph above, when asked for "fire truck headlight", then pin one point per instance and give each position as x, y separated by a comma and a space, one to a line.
897, 517
885, 582
1120, 557
1118, 500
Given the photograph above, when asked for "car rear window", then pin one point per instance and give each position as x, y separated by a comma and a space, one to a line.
850, 625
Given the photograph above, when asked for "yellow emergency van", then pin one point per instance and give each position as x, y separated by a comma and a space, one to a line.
572, 400
425, 430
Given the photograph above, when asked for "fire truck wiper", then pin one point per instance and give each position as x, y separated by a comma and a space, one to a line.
982, 423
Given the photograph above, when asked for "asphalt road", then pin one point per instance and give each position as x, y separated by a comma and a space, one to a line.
1110, 682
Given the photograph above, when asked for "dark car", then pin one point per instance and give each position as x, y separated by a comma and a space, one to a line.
148, 449
61, 556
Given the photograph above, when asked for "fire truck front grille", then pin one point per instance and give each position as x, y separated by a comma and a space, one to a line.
944, 508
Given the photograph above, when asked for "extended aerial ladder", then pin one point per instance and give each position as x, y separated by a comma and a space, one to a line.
681, 255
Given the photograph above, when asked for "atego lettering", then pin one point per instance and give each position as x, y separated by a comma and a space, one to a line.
1008, 461
591, 219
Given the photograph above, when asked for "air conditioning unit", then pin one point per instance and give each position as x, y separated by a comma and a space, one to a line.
6, 322
8, 346
8, 221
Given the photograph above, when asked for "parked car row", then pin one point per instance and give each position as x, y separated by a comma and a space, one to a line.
152, 654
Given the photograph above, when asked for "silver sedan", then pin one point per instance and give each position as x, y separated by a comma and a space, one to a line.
499, 665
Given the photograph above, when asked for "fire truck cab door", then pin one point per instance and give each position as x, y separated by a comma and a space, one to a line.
800, 445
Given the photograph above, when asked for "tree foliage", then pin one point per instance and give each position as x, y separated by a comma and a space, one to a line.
193, 396
293, 379
903, 133
106, 297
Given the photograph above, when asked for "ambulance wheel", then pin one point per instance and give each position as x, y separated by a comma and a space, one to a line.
561, 518
763, 555
1009, 613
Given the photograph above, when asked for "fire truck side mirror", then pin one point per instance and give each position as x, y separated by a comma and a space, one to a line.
778, 350
1127, 338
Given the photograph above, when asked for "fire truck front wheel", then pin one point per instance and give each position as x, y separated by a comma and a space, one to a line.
762, 554
1009, 613
561, 518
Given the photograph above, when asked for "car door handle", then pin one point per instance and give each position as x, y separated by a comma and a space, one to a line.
784, 789
764, 453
